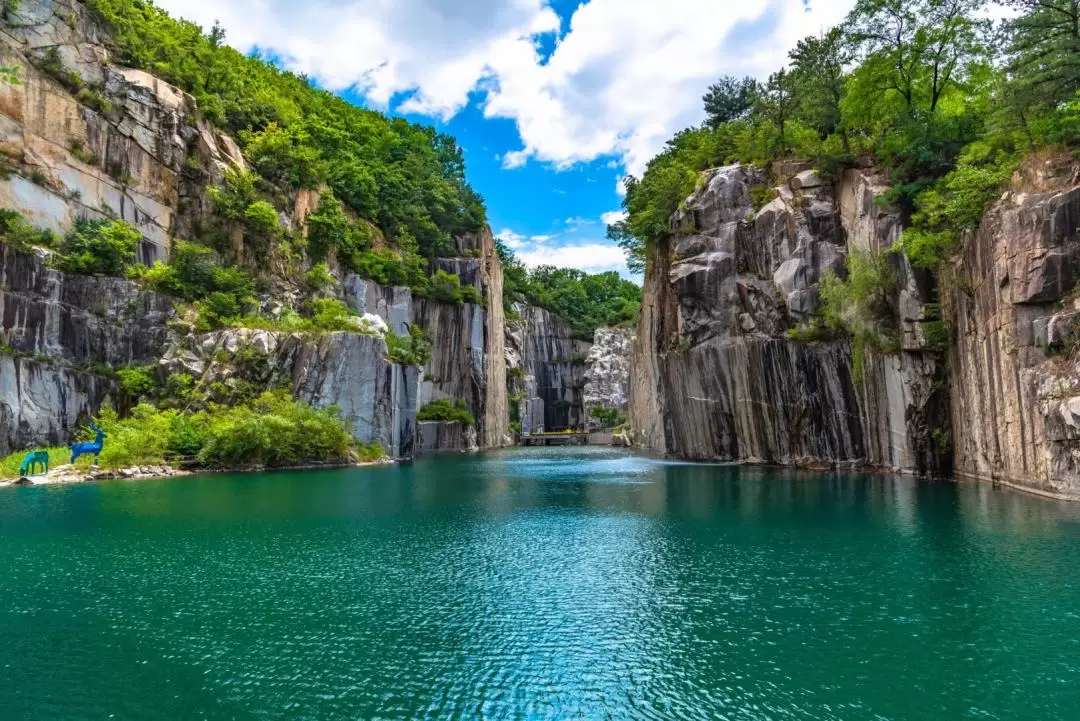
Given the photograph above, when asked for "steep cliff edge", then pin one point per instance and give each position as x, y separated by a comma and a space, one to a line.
1010, 298
547, 370
715, 375
86, 139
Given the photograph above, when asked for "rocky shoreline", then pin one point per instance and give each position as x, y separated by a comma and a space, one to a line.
70, 475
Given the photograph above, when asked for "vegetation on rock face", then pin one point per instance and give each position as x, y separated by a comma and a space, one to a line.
925, 89
106, 247
585, 301
18, 233
606, 416
413, 349
921, 86
407, 180
443, 410
270, 429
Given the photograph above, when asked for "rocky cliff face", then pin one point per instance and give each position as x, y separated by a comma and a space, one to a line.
56, 333
549, 379
714, 374
1012, 304
119, 149
84, 138
607, 371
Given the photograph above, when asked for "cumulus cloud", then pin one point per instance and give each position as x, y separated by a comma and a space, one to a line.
613, 217
437, 51
624, 76
630, 73
591, 257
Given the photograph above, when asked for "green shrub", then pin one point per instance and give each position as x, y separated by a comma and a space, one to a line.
447, 412
369, 452
471, 294
333, 315
262, 220
606, 416
221, 294
274, 430
136, 383
108, 247
445, 287
956, 203
20, 235
319, 278
860, 304
413, 349
218, 309
79, 150
328, 228
383, 266
282, 157
271, 429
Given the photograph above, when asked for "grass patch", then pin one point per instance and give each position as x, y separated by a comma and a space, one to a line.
9, 466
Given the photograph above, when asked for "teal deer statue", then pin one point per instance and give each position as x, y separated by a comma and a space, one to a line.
32, 461
89, 449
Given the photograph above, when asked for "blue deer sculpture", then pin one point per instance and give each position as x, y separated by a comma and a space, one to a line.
89, 449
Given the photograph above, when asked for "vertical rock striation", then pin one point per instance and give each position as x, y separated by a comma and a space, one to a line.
1011, 301
714, 375
607, 371
55, 330
552, 364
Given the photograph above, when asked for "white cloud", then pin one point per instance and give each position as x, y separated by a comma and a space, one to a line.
579, 221
592, 256
630, 73
613, 217
514, 241
589, 257
438, 50
621, 81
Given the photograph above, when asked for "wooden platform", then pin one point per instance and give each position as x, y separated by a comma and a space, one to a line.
573, 438
568, 438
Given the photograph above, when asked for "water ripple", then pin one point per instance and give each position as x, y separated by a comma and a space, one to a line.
540, 584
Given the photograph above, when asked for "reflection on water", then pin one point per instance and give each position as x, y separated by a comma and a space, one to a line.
539, 583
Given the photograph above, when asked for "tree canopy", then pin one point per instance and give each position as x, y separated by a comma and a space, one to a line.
926, 89
586, 301
408, 180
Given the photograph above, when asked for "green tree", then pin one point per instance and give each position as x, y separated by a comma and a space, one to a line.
776, 102
1043, 60
915, 50
817, 70
729, 98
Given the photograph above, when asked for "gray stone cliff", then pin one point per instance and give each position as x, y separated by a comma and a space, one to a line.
140, 150
1011, 299
714, 373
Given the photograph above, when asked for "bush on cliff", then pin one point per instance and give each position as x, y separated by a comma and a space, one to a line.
412, 349
17, 232
445, 411
108, 247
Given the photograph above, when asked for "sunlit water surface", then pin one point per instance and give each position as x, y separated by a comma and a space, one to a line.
541, 583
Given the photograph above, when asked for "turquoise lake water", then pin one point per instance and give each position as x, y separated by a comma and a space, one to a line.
538, 584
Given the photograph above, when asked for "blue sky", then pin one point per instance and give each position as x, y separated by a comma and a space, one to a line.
553, 101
